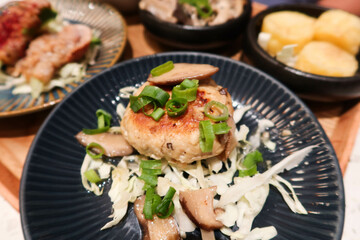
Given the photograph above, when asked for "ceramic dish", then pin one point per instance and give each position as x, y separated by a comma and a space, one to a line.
195, 37
307, 85
54, 204
99, 16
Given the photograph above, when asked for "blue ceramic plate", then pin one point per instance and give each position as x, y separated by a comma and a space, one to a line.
54, 205
98, 16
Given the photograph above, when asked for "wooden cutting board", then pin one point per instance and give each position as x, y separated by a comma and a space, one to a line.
340, 120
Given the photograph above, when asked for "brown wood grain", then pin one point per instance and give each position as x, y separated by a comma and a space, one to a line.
339, 120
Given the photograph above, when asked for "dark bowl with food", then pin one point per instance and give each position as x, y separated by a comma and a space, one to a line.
306, 85
196, 37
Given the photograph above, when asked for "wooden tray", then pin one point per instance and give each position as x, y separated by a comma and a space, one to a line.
340, 120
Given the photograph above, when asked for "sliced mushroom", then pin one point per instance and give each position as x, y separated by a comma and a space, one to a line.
182, 71
114, 144
165, 229
198, 205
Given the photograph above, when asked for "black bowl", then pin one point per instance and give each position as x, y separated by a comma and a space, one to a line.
195, 37
306, 85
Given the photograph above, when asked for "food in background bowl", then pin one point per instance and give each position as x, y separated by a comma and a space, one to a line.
324, 58
288, 27
339, 27
40, 51
290, 35
194, 12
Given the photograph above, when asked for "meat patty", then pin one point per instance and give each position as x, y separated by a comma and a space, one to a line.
49, 52
177, 139
13, 21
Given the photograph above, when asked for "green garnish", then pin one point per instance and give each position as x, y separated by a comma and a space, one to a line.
94, 145
92, 176
203, 7
161, 69
176, 107
187, 89
104, 122
221, 128
207, 136
216, 111
250, 163
95, 41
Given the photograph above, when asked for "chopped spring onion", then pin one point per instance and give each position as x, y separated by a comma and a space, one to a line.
216, 111
163, 68
164, 208
104, 122
250, 161
149, 196
151, 171
156, 94
189, 83
157, 114
92, 176
176, 107
207, 136
203, 7
150, 94
248, 172
150, 180
150, 164
156, 202
137, 103
154, 108
46, 14
168, 212
221, 128
95, 145
95, 41
187, 89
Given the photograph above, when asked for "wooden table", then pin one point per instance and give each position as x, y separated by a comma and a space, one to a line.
340, 120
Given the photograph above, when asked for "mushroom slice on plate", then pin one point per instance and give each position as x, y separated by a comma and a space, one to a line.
182, 71
157, 228
114, 144
198, 205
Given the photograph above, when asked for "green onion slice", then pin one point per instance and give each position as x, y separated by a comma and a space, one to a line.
156, 94
187, 89
149, 179
176, 107
94, 145
207, 136
221, 128
203, 7
169, 211
151, 171
163, 68
163, 208
104, 122
147, 211
157, 114
137, 103
150, 164
251, 159
248, 172
95, 41
92, 176
216, 111
189, 83
156, 202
